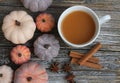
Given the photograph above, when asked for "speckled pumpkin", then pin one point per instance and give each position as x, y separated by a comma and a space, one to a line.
20, 54
37, 5
31, 73
45, 22
6, 74
46, 47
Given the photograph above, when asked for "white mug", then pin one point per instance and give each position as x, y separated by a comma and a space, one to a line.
98, 23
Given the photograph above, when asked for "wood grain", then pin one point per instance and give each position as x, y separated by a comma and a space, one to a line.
109, 36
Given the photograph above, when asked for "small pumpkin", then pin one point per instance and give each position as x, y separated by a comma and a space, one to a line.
18, 27
20, 54
37, 5
6, 74
45, 22
46, 47
31, 72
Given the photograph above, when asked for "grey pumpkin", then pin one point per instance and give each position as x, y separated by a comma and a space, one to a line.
46, 47
37, 5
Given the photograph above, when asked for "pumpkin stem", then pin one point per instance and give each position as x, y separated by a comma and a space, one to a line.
43, 20
1, 75
29, 79
19, 54
46, 46
17, 23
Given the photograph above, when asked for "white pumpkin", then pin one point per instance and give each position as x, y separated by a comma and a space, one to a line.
6, 74
18, 27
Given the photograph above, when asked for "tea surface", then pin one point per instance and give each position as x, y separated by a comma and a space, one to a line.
78, 27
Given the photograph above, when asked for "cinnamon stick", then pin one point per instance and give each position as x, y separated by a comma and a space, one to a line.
87, 64
80, 55
74, 61
90, 53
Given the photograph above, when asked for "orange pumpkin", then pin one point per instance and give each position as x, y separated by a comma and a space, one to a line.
20, 54
31, 72
45, 22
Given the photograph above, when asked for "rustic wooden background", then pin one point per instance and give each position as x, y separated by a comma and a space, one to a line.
110, 38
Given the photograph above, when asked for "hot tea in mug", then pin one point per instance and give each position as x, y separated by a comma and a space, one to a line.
78, 27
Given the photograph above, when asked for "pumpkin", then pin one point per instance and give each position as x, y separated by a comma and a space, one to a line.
18, 27
6, 74
20, 54
46, 47
45, 22
37, 5
31, 72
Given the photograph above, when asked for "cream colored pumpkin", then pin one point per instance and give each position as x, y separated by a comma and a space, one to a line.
6, 74
18, 27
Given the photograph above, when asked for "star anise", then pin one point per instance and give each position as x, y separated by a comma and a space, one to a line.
67, 67
70, 78
54, 67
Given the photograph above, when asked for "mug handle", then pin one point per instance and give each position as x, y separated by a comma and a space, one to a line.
104, 19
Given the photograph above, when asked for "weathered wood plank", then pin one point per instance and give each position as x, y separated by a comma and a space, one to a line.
95, 4
110, 61
88, 77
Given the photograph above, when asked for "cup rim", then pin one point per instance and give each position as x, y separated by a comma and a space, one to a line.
84, 44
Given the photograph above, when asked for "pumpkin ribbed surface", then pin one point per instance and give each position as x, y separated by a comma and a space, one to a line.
31, 72
37, 5
46, 47
20, 54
